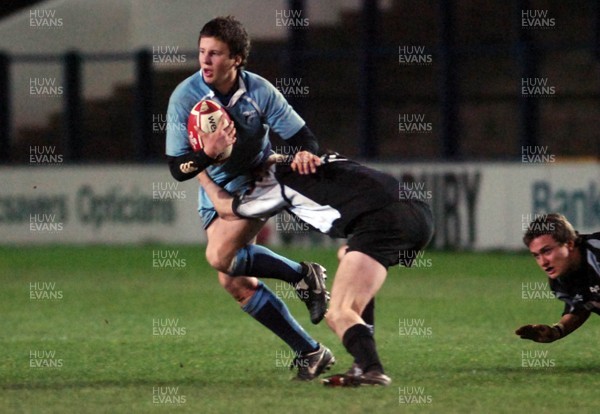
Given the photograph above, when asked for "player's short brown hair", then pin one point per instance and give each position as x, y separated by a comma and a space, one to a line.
553, 224
229, 30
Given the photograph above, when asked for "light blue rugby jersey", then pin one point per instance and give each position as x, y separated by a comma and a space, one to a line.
255, 107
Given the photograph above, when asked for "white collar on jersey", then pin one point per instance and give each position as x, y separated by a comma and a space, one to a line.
236, 96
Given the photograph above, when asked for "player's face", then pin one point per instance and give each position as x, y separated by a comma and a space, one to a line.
219, 69
556, 259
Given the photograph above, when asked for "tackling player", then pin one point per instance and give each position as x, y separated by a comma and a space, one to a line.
572, 263
255, 106
342, 199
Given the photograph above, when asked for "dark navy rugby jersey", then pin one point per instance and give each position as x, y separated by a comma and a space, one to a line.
328, 200
581, 290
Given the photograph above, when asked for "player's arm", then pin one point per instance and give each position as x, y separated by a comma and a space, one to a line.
285, 121
221, 199
188, 165
545, 333
183, 162
304, 146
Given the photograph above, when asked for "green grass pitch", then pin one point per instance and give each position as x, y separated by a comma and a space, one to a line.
117, 330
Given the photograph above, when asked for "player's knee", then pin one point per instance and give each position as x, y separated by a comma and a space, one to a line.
334, 315
234, 263
219, 259
330, 321
341, 252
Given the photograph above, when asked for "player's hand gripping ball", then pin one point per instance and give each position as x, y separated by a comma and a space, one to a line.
204, 119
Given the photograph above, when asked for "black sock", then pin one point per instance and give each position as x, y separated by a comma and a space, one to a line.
359, 342
368, 315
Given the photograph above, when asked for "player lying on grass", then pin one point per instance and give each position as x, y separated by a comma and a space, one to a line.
255, 106
342, 199
572, 263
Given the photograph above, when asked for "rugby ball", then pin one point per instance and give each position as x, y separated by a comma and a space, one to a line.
205, 116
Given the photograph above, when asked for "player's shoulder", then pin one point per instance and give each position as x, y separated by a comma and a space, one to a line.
592, 240
187, 84
254, 80
256, 85
337, 161
594, 236
329, 156
191, 87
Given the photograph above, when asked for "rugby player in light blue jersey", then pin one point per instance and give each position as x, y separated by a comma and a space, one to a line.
255, 106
